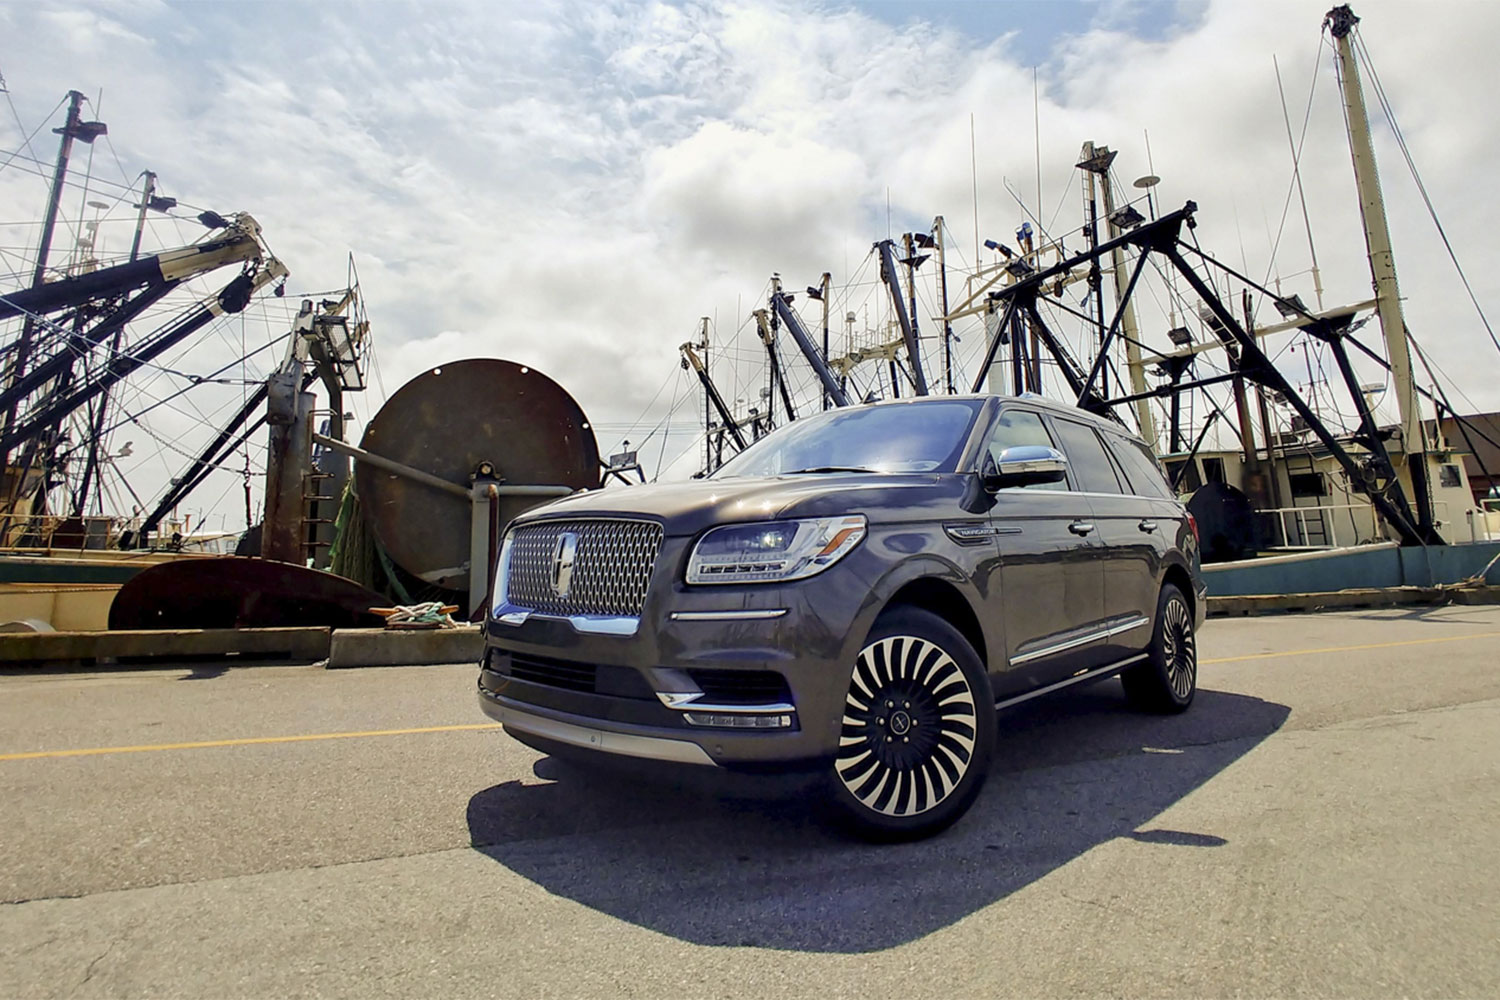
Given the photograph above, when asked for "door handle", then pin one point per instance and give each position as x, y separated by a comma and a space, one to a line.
1081, 527
1147, 525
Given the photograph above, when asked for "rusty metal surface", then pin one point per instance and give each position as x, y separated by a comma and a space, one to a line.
446, 422
241, 592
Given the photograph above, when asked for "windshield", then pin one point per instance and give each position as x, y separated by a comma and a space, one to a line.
924, 436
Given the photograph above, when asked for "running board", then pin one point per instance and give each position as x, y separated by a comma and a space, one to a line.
1090, 675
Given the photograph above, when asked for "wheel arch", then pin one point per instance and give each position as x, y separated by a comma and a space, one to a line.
940, 597
1178, 576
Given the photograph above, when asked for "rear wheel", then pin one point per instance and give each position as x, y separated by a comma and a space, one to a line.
918, 730
1167, 681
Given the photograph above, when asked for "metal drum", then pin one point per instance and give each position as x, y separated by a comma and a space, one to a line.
450, 422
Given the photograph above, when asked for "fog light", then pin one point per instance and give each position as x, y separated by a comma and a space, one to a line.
723, 720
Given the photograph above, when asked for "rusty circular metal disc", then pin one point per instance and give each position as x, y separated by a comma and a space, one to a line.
447, 422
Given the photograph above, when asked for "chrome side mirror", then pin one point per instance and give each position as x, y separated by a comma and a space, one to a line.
1024, 465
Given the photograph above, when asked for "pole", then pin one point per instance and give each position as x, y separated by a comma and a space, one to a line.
1089, 155
911, 290
1341, 21
712, 392
1135, 366
937, 233
908, 330
708, 447
827, 291
793, 324
44, 249
148, 190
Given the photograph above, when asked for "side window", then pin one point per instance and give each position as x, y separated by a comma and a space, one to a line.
1014, 428
1141, 468
1091, 468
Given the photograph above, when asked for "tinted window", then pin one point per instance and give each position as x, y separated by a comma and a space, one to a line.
1087, 461
1015, 428
890, 437
1141, 468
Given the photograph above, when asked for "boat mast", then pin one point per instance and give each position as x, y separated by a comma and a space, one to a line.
1135, 365
937, 236
74, 128
1340, 22
825, 293
81, 498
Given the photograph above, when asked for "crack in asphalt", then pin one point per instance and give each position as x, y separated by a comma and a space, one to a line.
89, 972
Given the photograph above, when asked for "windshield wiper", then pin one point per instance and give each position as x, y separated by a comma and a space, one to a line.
829, 468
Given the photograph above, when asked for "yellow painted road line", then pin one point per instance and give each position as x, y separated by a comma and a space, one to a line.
249, 741
479, 726
1348, 649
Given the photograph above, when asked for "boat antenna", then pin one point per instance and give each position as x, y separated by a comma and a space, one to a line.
1297, 179
1036, 125
974, 181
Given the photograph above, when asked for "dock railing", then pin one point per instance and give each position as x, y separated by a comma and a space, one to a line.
1330, 526
46, 534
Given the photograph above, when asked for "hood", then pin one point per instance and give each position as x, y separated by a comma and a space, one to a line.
690, 507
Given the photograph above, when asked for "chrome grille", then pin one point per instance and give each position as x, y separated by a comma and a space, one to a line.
612, 566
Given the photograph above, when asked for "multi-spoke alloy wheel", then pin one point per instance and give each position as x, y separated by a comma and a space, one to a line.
1168, 679
1178, 649
917, 729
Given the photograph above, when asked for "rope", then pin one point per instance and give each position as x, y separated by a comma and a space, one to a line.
430, 614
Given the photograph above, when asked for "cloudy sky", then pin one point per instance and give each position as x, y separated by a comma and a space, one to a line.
573, 185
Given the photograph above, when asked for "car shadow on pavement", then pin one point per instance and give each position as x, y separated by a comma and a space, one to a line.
744, 863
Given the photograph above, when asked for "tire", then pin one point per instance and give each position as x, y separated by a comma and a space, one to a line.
918, 731
1166, 682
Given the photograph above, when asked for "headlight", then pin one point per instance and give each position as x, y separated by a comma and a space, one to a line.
773, 551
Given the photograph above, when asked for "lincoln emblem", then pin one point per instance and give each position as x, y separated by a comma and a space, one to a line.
562, 563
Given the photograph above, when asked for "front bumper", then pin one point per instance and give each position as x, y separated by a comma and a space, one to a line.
633, 694
585, 733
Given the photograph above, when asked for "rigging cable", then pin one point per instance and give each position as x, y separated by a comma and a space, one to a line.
1411, 165
1296, 163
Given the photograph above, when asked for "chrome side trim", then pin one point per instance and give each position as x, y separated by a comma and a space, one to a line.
1059, 647
726, 616
1129, 626
1082, 640
1086, 676
687, 701
623, 744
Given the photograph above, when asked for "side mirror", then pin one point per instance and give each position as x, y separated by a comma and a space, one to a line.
1025, 465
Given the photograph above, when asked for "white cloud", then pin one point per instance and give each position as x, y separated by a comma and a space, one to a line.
571, 185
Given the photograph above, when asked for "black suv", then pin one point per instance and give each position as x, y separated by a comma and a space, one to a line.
852, 593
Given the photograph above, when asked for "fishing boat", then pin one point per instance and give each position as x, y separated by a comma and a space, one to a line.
129, 352
1289, 495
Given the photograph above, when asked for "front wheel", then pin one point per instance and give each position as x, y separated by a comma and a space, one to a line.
918, 730
1167, 681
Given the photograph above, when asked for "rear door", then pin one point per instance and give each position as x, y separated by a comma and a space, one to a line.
1051, 595
1129, 534
1168, 521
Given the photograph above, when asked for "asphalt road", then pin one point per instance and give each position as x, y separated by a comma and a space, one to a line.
1322, 823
